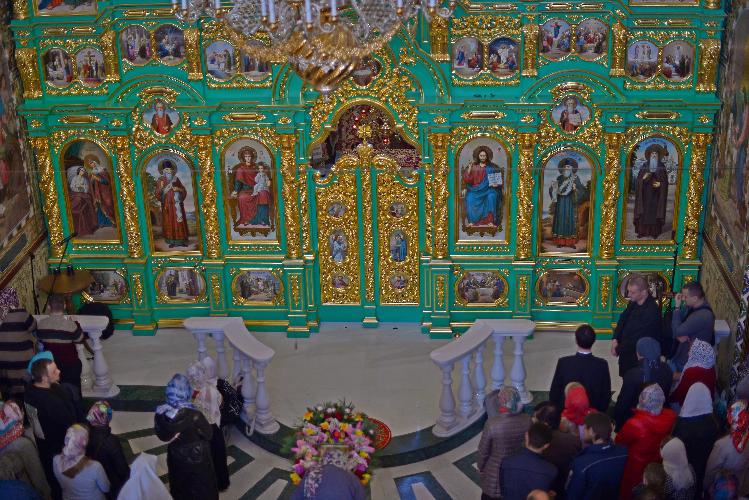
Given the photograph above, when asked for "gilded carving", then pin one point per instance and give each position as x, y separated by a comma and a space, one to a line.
440, 292
137, 288
590, 135
192, 51
525, 196
210, 202
364, 150
561, 90
610, 194
440, 216
290, 189
127, 197
111, 63
694, 195
605, 291
530, 52
265, 135
428, 208
522, 292
21, 9
304, 208
485, 27
708, 69
635, 134
49, 192
483, 115
296, 294
460, 135
619, 51
216, 290
438, 39
27, 67
712, 4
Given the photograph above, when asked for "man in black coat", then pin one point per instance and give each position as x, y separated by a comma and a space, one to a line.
641, 318
527, 470
592, 372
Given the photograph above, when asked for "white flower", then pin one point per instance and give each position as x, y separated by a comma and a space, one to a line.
318, 408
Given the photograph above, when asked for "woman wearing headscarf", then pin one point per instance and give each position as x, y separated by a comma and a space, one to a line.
14, 442
207, 399
188, 456
503, 435
697, 428
80, 477
731, 452
144, 483
649, 369
331, 478
680, 477
105, 448
576, 407
642, 435
700, 367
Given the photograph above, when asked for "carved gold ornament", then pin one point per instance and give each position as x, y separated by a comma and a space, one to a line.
109, 50
438, 40
192, 52
27, 67
49, 192
610, 194
216, 290
605, 291
209, 205
589, 134
523, 292
708, 67
619, 50
440, 292
290, 188
527, 142
127, 197
441, 193
694, 195
530, 51
137, 288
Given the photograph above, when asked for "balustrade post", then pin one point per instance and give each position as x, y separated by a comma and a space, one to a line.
103, 384
517, 375
223, 368
498, 366
479, 378
465, 391
447, 418
87, 380
200, 338
248, 386
236, 367
265, 423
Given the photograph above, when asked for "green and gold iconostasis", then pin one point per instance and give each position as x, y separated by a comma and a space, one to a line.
517, 161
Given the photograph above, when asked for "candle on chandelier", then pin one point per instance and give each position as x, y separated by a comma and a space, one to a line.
334, 8
308, 11
272, 11
263, 9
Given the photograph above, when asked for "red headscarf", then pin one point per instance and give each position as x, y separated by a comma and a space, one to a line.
576, 404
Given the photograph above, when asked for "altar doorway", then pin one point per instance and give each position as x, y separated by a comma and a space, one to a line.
368, 224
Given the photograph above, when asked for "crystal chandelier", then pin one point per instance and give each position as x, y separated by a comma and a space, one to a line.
323, 40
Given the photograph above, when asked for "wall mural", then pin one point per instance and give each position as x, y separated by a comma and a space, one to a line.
257, 287
65, 7
180, 285
109, 286
135, 42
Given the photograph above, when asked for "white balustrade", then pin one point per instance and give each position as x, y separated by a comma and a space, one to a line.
102, 385
472, 385
248, 354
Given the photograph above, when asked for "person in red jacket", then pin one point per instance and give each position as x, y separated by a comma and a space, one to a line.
700, 367
642, 435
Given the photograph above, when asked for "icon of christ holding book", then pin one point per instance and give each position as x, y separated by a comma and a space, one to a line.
483, 190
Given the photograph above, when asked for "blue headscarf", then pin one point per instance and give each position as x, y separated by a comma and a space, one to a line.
650, 350
178, 396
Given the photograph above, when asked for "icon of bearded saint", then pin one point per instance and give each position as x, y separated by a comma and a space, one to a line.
161, 123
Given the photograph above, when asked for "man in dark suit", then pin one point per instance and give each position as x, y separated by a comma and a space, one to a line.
583, 367
641, 318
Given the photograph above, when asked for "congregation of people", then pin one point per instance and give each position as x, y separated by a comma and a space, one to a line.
669, 435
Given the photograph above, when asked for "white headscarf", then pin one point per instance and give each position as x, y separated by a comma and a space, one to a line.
144, 483
698, 402
676, 465
208, 399
701, 354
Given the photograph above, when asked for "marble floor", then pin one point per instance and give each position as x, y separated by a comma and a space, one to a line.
386, 372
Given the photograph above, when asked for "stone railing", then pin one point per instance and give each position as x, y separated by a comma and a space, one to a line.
472, 387
95, 379
248, 353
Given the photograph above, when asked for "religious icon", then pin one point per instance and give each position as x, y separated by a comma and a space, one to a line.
555, 39
657, 284
249, 174
161, 117
397, 209
481, 287
678, 60
336, 210
340, 281
65, 7
109, 286
90, 192
566, 203
338, 246
468, 56
135, 44
180, 285
170, 193
503, 57
642, 60
398, 246
592, 39
219, 58
481, 184
58, 68
253, 68
366, 71
561, 287
570, 114
170, 44
257, 287
652, 176
90, 64
399, 281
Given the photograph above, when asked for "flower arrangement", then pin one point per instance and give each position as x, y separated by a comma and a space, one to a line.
333, 425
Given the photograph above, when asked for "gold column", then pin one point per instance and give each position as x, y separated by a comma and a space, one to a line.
27, 67
694, 194
610, 194
21, 8
304, 208
428, 208
525, 195
289, 191
605, 291
439, 162
111, 63
438, 39
127, 191
365, 152
192, 49
49, 191
619, 51
530, 39
210, 203
708, 68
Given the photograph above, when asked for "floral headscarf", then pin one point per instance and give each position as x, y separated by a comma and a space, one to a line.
652, 399
738, 421
701, 354
76, 439
100, 414
576, 404
508, 401
178, 396
11, 423
8, 301
197, 375
331, 456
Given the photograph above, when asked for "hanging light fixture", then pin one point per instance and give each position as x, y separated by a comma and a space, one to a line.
323, 40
